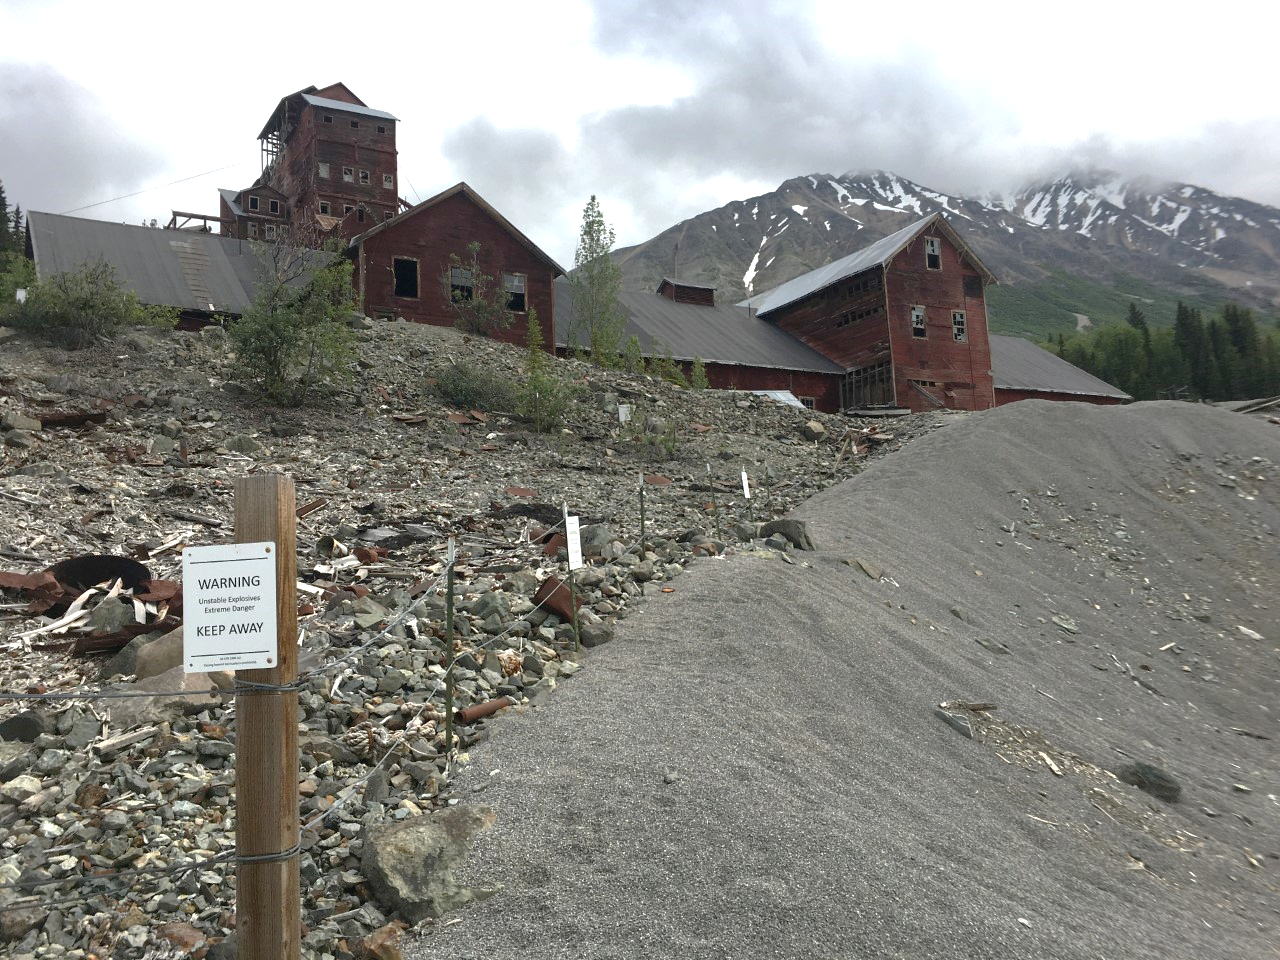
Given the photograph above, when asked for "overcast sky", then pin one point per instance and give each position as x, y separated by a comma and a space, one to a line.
663, 109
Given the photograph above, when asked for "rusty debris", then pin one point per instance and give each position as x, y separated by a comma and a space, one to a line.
477, 711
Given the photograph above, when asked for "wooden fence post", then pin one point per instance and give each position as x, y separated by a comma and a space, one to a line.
268, 888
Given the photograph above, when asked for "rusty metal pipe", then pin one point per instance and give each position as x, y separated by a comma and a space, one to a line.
477, 711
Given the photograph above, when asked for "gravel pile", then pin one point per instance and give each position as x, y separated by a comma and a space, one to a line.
1020, 702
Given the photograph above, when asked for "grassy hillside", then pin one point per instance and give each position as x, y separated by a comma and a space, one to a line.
1044, 309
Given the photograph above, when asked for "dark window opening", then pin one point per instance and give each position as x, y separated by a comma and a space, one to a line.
958, 326
355, 124
253, 203
972, 286
809, 402
382, 129
360, 215
324, 206
460, 288
326, 118
273, 206
347, 208
406, 275
870, 386
918, 322
514, 284
933, 253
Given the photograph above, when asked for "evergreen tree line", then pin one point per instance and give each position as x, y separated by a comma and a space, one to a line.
12, 226
1227, 357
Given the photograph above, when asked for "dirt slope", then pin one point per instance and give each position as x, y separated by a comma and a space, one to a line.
756, 766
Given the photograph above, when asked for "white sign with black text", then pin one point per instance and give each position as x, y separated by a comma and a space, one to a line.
229, 607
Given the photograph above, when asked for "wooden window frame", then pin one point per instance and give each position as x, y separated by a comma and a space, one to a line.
323, 170
932, 253
417, 278
523, 292
254, 204
269, 232
348, 174
959, 326
253, 230
919, 322
461, 281
355, 124
325, 208
364, 178
347, 209
326, 118
388, 181
273, 207
382, 129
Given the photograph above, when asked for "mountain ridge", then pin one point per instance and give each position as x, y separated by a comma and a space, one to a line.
1131, 236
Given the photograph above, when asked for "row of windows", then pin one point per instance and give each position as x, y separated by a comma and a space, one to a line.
959, 324
270, 231
326, 208
273, 206
853, 316
349, 176
461, 283
355, 124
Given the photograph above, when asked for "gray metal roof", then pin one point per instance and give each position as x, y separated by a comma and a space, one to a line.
1019, 364
326, 104
721, 334
876, 255
232, 198
175, 268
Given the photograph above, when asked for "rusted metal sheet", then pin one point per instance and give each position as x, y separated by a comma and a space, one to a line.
554, 595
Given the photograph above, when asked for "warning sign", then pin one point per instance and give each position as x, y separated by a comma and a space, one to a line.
229, 607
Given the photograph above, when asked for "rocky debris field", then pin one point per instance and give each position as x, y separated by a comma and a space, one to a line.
117, 782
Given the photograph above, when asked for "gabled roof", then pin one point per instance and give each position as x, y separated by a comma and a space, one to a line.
1018, 364
466, 191
719, 334
308, 94
232, 197
173, 268
876, 255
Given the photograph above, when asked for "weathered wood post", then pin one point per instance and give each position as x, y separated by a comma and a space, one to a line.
448, 650
644, 540
268, 888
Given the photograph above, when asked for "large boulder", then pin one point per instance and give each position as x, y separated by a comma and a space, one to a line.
794, 530
410, 864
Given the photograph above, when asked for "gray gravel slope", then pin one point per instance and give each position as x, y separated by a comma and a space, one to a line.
754, 767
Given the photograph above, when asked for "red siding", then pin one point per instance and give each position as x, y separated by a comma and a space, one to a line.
430, 236
845, 322
961, 371
1004, 395
824, 388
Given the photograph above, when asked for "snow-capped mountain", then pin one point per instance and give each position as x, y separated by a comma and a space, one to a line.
1095, 226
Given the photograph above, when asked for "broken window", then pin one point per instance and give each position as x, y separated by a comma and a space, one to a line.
869, 386
324, 206
324, 170
933, 253
347, 208
253, 229
360, 214
460, 287
388, 181
355, 124
253, 203
348, 175
958, 330
388, 215
514, 283
917, 322
406, 277
364, 176
808, 402
271, 231
273, 206
326, 118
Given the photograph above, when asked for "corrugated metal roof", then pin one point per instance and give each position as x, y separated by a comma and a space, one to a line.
174, 268
723, 333
878, 254
326, 104
1019, 364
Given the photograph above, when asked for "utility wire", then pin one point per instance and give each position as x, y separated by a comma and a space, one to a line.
89, 206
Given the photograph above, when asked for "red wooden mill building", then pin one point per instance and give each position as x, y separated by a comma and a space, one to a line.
899, 325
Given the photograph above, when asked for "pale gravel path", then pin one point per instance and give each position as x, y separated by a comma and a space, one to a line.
820, 809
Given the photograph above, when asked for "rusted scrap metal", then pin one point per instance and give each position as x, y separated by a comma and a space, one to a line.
477, 711
76, 418
554, 595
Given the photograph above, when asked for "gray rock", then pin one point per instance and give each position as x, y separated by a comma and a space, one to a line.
12, 420
15, 758
110, 616
242, 443
746, 531
1151, 779
20, 788
794, 530
24, 726
594, 634
378, 787
410, 864
19, 439
813, 430
157, 655
493, 603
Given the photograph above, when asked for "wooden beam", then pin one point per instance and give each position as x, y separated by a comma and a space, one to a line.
268, 891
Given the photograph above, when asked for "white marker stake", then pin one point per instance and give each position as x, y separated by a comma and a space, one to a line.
229, 607
624, 413
746, 487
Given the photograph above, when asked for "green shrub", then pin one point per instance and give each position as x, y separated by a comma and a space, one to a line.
74, 308
544, 397
633, 355
470, 386
698, 375
296, 334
